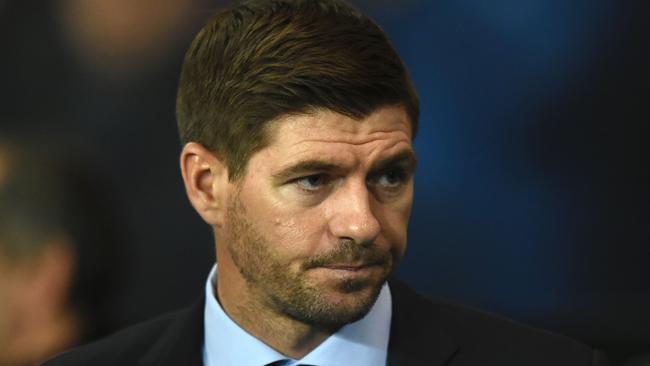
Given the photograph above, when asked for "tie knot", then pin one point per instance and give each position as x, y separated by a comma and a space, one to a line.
286, 362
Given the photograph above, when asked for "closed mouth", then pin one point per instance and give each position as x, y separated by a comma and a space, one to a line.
349, 267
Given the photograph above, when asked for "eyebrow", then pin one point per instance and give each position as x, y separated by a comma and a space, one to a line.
406, 157
303, 167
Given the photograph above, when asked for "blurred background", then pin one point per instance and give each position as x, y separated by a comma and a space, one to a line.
532, 190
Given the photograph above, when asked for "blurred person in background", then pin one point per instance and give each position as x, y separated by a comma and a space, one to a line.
107, 72
58, 247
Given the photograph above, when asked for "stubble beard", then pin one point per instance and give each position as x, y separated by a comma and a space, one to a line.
289, 293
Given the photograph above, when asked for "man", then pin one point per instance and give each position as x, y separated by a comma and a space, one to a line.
298, 119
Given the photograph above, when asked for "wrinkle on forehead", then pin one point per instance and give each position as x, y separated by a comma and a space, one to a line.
347, 156
326, 125
353, 139
369, 146
339, 139
339, 142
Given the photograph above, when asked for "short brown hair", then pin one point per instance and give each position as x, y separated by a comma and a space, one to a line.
266, 59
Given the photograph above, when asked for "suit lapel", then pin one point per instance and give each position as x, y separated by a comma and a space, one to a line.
417, 335
182, 342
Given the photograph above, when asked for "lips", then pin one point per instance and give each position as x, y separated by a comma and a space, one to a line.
348, 267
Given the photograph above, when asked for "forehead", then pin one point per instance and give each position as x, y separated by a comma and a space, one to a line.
325, 126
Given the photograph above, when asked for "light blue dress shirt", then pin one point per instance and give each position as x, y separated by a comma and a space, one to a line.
364, 342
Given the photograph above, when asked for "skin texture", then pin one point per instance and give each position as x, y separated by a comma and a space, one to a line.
310, 233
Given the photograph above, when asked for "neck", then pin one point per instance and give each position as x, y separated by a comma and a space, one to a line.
250, 309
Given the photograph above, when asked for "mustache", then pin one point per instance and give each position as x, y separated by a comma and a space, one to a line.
349, 251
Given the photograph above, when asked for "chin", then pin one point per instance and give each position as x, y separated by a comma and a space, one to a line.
352, 304
333, 305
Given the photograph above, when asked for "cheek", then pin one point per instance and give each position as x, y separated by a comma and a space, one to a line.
285, 229
394, 226
291, 233
395, 221
299, 233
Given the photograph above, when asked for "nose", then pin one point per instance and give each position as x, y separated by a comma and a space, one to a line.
353, 216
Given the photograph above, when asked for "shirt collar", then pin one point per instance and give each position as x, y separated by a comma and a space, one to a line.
364, 342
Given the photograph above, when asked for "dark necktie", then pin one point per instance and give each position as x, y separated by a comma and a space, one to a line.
285, 362
279, 363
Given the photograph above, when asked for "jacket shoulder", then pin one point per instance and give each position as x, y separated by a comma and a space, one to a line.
492, 337
481, 338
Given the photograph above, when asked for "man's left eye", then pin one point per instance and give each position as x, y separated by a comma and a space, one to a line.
391, 178
311, 182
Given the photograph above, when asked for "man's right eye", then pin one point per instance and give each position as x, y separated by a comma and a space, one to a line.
311, 183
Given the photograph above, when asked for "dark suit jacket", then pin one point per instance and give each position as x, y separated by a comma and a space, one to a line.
422, 333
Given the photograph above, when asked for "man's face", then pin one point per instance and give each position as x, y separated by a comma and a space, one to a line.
319, 220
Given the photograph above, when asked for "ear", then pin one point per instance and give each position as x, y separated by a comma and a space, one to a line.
206, 182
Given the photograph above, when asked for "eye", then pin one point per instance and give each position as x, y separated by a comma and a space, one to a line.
391, 178
389, 181
311, 183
